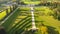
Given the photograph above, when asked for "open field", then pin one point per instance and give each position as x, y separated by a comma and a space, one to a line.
44, 15
21, 20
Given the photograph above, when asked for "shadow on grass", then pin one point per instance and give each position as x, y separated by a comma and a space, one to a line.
19, 25
59, 17
22, 22
52, 30
22, 29
24, 26
19, 22
10, 20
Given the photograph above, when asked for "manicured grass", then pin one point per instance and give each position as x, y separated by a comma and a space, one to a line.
46, 19
19, 20
30, 2
43, 10
8, 9
24, 8
2, 14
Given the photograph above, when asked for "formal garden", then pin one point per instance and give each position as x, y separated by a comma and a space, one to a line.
21, 17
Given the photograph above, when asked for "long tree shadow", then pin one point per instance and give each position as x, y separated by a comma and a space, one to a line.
23, 27
52, 30
13, 29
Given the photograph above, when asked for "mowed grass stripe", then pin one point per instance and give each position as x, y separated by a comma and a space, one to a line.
23, 20
20, 30
19, 25
10, 20
23, 26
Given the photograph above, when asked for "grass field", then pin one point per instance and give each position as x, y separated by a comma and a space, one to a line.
30, 2
3, 13
21, 20
48, 21
36, 2
18, 22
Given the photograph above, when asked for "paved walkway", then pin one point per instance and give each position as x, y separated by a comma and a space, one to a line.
33, 20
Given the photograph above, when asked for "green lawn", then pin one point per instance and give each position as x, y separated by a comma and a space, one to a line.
3, 13
46, 19
31, 2
22, 20
18, 22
